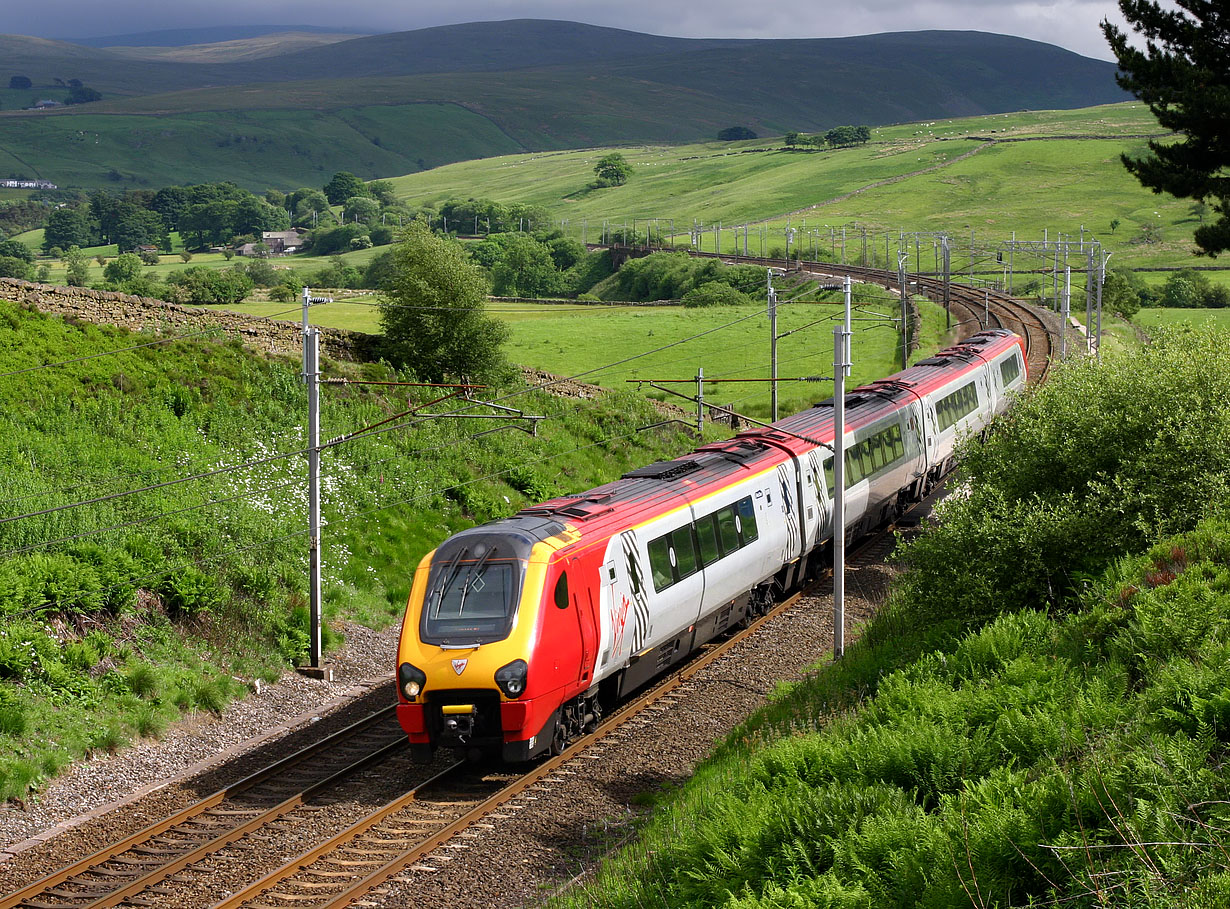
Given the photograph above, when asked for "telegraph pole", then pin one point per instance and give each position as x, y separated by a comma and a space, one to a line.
841, 369
902, 257
947, 284
772, 303
311, 376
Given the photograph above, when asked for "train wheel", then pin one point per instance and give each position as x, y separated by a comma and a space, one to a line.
559, 741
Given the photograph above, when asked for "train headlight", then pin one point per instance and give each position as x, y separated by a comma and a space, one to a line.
411, 680
511, 678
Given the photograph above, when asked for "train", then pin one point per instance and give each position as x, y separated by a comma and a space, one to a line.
519, 632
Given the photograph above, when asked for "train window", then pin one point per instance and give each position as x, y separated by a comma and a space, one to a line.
877, 452
561, 591
828, 475
747, 520
660, 563
961, 403
898, 443
706, 537
472, 597
685, 551
1010, 369
727, 532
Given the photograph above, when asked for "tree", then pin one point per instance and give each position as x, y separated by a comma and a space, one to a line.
361, 209
78, 267
68, 227
525, 269
342, 186
382, 191
16, 249
613, 170
123, 268
140, 227
432, 313
310, 204
13, 267
792, 138
81, 94
20, 83
1182, 75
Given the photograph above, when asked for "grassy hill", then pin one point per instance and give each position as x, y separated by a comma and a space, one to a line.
542, 85
1031, 172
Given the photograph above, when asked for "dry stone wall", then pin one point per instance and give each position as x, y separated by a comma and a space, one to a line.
271, 336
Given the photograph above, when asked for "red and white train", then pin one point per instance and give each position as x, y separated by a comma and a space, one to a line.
519, 631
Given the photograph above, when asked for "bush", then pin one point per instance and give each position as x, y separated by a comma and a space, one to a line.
714, 293
1093, 464
12, 267
199, 285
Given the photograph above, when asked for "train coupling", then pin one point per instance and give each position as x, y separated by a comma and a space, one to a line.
459, 721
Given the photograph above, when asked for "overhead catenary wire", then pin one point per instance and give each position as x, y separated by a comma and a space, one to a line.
256, 462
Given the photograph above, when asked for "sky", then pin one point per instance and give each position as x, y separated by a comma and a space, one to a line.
1072, 25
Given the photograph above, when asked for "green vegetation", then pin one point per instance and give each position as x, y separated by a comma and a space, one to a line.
118, 616
432, 313
1037, 717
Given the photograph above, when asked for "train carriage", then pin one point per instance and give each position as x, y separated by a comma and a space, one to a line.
519, 632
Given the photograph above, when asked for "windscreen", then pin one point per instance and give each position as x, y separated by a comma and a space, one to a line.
472, 592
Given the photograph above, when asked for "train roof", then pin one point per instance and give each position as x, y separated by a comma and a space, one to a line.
659, 487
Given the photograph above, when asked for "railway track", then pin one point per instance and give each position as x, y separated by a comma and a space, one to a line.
135, 870
383, 845
977, 308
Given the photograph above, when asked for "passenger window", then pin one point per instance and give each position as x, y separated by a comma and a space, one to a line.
747, 520
706, 537
726, 530
685, 552
898, 444
828, 475
561, 591
660, 563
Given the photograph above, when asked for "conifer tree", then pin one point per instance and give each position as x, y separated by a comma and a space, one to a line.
1183, 74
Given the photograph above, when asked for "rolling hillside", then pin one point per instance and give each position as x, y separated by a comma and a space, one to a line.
538, 85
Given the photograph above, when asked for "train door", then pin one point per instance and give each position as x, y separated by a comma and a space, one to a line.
583, 603
623, 600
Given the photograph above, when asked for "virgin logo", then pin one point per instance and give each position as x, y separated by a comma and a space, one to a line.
459, 666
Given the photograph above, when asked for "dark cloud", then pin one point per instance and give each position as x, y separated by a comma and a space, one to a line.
1073, 25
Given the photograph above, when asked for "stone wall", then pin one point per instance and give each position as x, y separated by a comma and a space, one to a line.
271, 336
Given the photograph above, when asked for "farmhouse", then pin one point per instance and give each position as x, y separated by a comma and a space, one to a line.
277, 242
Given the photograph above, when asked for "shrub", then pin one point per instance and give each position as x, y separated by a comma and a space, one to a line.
714, 293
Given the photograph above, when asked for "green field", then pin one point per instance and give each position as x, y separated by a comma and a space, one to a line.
1155, 317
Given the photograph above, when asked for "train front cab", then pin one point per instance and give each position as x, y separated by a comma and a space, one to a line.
487, 653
